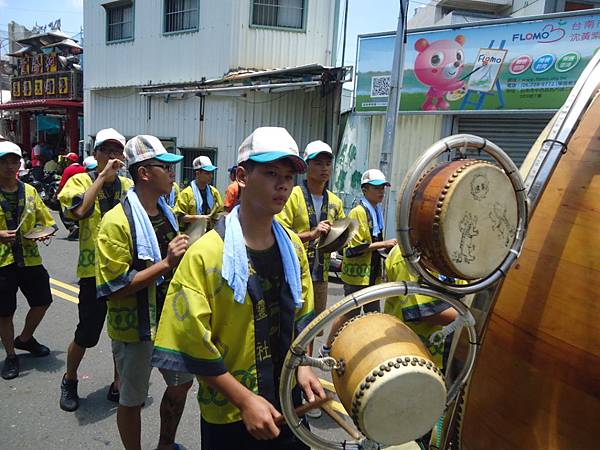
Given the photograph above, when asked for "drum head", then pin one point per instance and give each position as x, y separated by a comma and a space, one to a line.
478, 221
40, 233
403, 405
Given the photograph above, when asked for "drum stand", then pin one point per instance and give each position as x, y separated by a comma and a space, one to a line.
428, 285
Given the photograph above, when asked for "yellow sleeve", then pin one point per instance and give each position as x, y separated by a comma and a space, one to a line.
42, 214
183, 340
218, 206
186, 203
363, 234
71, 195
113, 254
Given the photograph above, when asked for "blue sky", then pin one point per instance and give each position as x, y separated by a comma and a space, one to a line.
28, 12
364, 16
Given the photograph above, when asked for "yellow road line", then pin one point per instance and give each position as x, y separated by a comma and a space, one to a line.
66, 286
64, 296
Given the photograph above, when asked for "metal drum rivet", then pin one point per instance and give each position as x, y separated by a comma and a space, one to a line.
382, 367
380, 373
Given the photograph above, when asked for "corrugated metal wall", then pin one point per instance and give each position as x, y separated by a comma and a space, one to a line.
414, 134
261, 48
228, 120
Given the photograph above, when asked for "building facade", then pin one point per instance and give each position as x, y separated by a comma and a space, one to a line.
199, 74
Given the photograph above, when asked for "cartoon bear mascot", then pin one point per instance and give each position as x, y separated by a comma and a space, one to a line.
439, 65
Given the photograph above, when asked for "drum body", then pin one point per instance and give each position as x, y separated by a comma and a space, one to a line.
463, 218
536, 383
387, 383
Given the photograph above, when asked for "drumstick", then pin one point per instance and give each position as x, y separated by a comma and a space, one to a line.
340, 421
301, 410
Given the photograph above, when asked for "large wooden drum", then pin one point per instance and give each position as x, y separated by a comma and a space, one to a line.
463, 218
387, 382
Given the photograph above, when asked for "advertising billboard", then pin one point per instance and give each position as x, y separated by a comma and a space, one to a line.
531, 64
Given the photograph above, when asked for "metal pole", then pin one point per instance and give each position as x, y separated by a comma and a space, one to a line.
387, 149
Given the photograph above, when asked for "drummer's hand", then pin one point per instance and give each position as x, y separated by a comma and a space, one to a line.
111, 168
259, 417
177, 248
390, 243
195, 217
310, 384
8, 236
322, 229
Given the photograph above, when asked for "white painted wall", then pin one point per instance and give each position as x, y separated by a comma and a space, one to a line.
224, 41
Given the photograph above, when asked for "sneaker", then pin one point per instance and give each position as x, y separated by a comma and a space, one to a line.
69, 400
32, 346
10, 369
325, 351
113, 394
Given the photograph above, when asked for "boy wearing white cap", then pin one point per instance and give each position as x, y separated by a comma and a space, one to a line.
310, 211
240, 295
138, 248
199, 199
86, 198
21, 209
362, 263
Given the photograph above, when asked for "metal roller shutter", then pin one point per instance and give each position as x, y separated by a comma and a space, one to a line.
514, 135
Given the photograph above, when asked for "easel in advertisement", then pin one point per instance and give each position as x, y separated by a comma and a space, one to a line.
478, 104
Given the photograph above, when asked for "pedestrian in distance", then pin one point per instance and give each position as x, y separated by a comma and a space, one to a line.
232, 193
199, 200
21, 210
138, 248
87, 197
362, 263
240, 295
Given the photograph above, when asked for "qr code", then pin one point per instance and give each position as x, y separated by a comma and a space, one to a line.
380, 86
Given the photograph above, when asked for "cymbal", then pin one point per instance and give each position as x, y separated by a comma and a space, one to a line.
342, 231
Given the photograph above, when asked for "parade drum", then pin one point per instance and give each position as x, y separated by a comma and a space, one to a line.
463, 218
386, 381
40, 233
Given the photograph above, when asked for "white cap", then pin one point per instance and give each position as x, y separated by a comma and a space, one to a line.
90, 163
109, 134
203, 163
143, 147
315, 148
7, 147
267, 144
374, 177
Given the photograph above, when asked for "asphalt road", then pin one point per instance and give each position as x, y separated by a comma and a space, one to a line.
30, 417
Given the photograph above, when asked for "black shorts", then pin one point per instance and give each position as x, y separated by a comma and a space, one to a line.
369, 307
33, 281
235, 436
92, 312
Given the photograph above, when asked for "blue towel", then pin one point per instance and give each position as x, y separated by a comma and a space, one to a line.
146, 241
376, 216
235, 259
198, 197
171, 197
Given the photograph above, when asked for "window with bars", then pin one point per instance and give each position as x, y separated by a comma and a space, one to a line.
279, 13
180, 15
119, 21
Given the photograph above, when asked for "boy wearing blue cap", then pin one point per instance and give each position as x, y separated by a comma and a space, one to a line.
239, 297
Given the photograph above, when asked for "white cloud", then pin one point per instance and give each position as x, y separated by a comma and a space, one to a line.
75, 3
